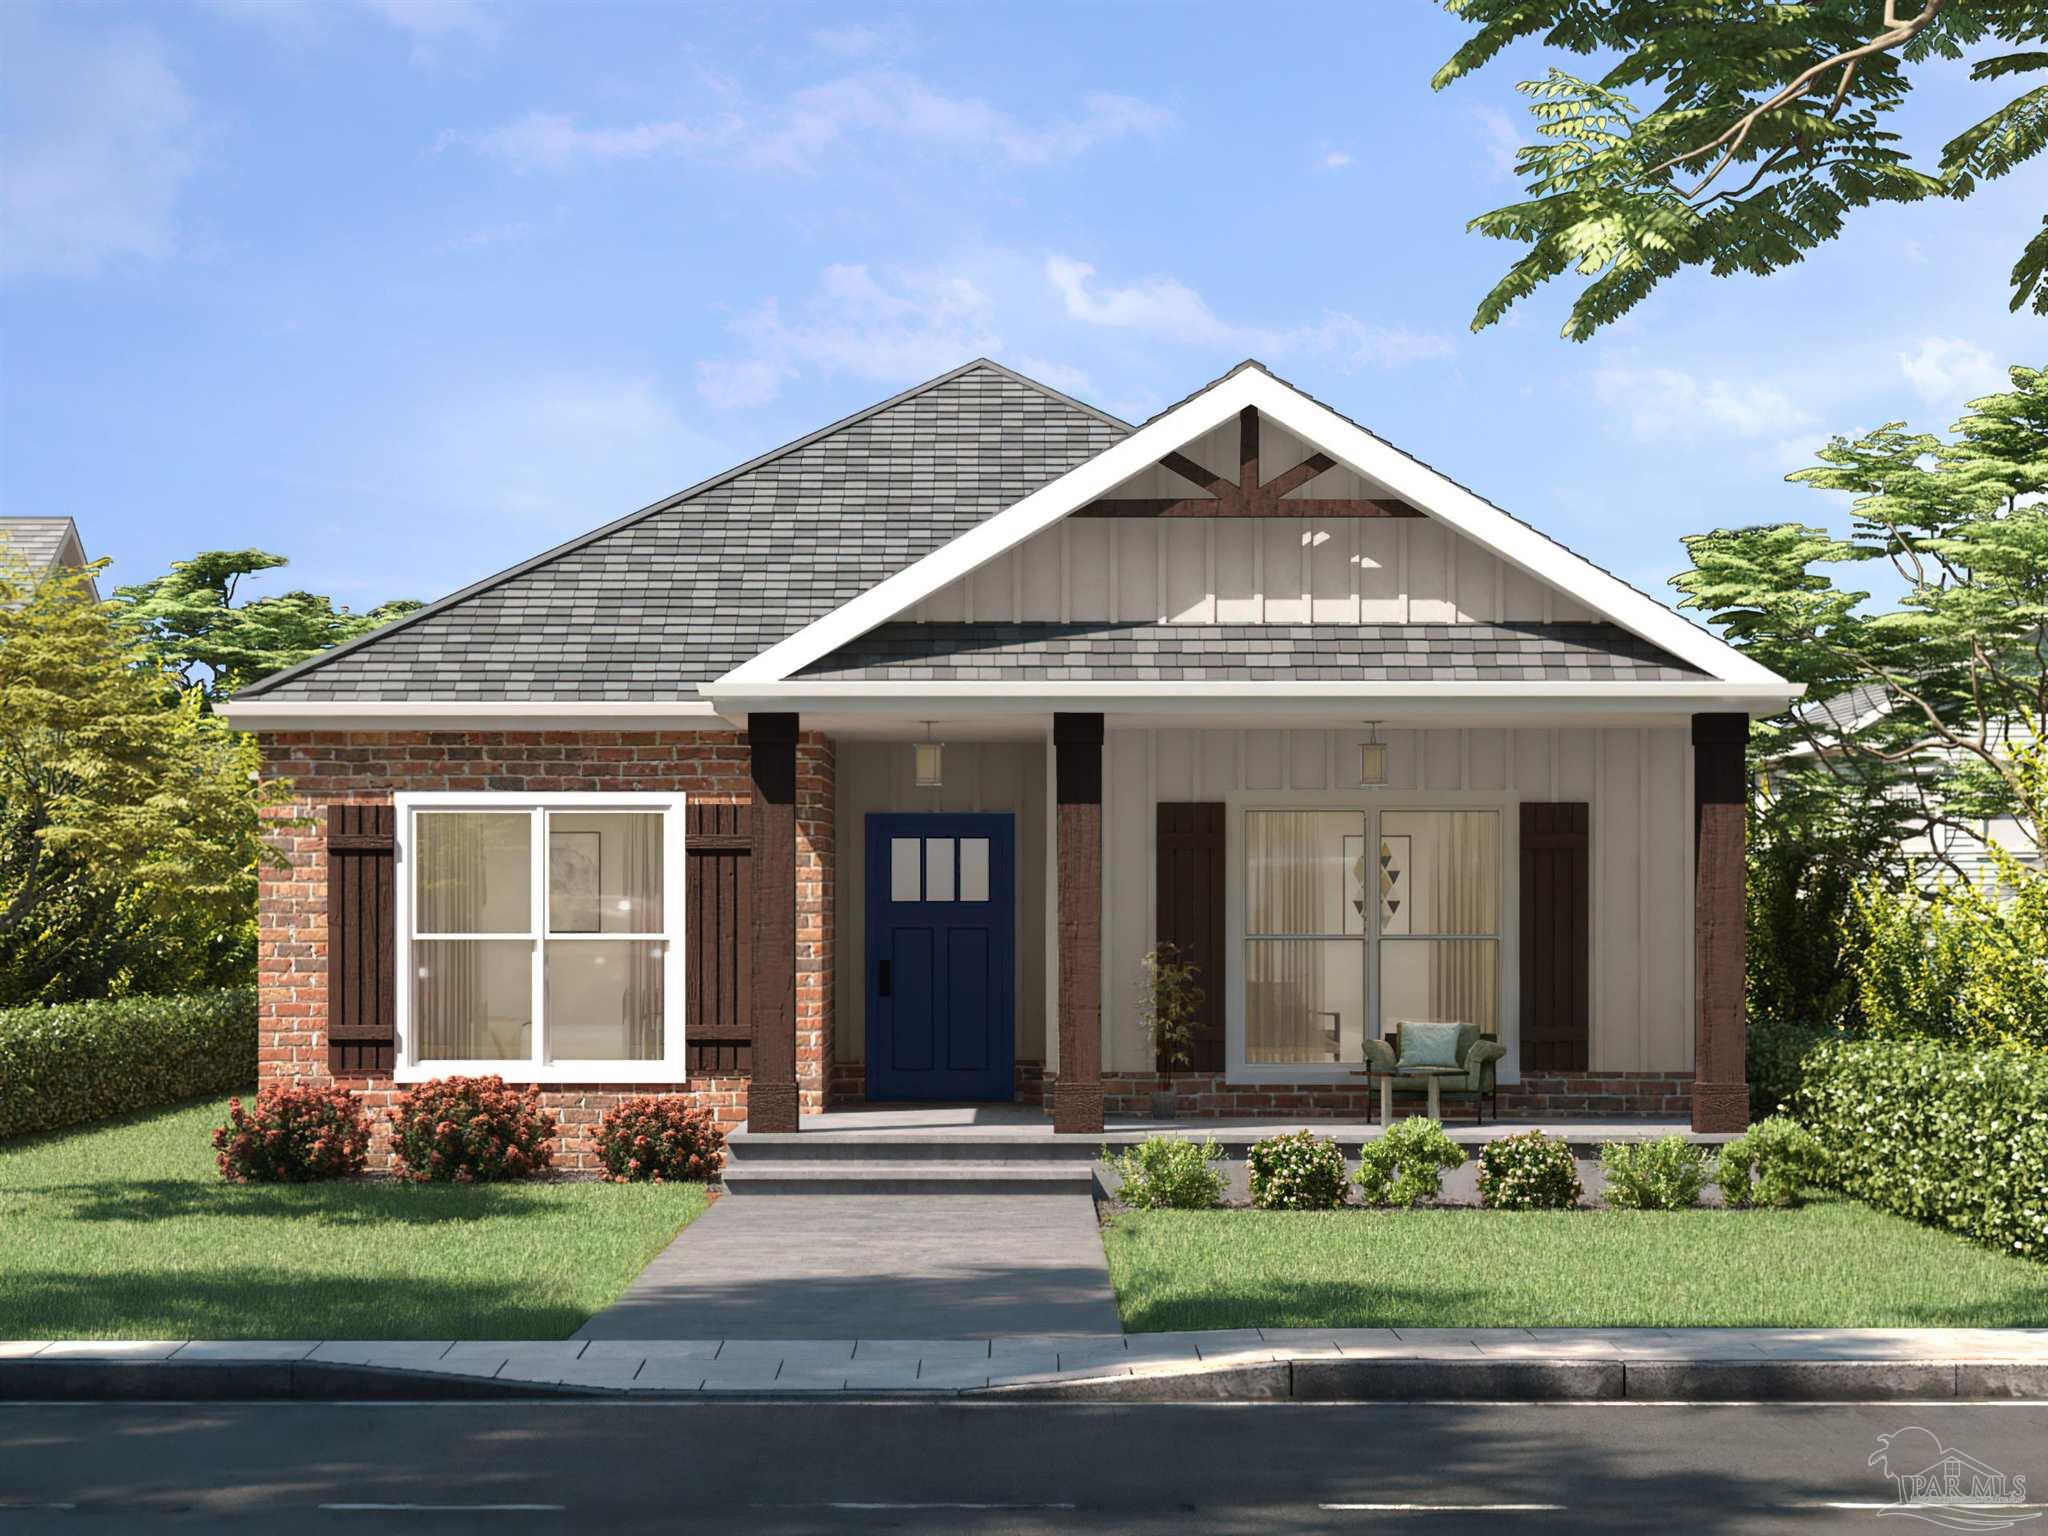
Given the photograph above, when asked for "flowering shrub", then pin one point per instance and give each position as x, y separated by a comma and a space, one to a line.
1170, 1173
471, 1130
1297, 1171
1406, 1166
659, 1138
1662, 1175
1953, 1136
1528, 1172
294, 1134
1782, 1155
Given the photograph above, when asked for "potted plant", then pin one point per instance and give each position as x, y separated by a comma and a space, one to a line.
1169, 1001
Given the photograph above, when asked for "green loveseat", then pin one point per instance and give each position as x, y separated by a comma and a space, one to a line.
1476, 1050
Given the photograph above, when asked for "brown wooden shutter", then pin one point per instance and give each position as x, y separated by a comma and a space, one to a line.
1190, 905
1556, 937
717, 1023
362, 939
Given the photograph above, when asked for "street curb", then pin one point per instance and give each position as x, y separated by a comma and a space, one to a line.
1322, 1380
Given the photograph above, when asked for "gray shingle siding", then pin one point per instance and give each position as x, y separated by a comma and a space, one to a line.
1094, 652
689, 590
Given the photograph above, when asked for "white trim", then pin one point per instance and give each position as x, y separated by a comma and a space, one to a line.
1352, 446
672, 1066
260, 714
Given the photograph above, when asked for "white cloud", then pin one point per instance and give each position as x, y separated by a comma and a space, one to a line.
878, 104
1335, 160
1500, 139
1064, 377
858, 41
1170, 309
1659, 404
897, 331
432, 27
1947, 373
99, 138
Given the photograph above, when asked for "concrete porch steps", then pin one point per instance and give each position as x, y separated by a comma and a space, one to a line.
905, 1175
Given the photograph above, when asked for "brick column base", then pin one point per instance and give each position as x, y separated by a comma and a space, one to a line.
1720, 1106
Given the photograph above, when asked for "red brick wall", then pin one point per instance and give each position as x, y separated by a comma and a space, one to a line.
1618, 1095
369, 767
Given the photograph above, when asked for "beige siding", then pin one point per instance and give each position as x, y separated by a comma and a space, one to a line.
980, 776
1638, 783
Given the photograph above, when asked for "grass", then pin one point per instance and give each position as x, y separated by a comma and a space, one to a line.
125, 1231
1832, 1263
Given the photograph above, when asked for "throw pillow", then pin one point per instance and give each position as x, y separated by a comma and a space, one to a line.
1428, 1045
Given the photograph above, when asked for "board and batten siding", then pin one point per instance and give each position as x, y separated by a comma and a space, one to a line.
979, 776
1637, 783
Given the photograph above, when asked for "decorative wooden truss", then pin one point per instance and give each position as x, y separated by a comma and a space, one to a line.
1249, 497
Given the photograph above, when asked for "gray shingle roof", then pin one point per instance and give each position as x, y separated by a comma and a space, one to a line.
1096, 652
682, 592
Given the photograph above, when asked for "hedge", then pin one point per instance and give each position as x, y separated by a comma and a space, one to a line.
1952, 1135
69, 1063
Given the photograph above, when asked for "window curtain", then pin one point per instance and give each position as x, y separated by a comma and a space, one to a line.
1287, 899
1464, 861
643, 884
452, 997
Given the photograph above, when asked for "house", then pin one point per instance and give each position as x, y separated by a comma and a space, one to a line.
872, 768
43, 544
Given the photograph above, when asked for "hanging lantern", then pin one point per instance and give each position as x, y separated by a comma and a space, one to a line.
1372, 756
929, 761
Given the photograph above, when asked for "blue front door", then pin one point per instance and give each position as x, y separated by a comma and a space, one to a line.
942, 974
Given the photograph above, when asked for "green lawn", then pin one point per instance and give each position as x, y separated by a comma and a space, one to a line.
124, 1230
1830, 1264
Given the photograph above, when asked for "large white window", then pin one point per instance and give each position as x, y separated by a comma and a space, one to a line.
1356, 921
541, 936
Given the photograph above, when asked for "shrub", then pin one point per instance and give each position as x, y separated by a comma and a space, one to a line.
1779, 1152
74, 1062
471, 1130
1297, 1171
1406, 1166
1528, 1172
1662, 1175
659, 1138
1776, 1055
295, 1134
1955, 1136
1170, 1173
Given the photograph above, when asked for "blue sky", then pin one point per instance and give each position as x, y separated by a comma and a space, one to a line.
408, 292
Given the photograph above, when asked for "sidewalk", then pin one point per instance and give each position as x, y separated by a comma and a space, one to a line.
1239, 1365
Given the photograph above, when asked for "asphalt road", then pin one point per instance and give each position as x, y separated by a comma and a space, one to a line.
902, 1466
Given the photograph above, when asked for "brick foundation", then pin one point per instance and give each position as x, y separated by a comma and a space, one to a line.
369, 767
1205, 1096
1618, 1094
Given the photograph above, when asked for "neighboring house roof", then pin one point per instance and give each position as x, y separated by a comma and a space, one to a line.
685, 590
42, 543
1103, 652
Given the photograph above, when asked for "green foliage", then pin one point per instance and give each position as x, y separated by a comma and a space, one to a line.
191, 624
1662, 1175
471, 1130
296, 1134
1528, 1172
1297, 1171
1775, 1054
1963, 964
1947, 1134
1406, 1165
1780, 1154
78, 1062
1766, 125
1169, 1003
659, 1138
1170, 1173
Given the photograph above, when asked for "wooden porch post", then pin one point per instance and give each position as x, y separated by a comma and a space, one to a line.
1720, 1088
1077, 773
772, 1096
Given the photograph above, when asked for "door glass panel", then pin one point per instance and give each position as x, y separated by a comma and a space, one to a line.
604, 999
974, 869
1299, 877
903, 868
604, 872
472, 999
938, 869
475, 872
1304, 1000
1439, 980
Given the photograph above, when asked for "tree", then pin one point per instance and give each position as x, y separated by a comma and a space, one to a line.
129, 837
191, 622
1939, 704
1768, 128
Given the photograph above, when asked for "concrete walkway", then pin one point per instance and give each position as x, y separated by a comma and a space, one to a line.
875, 1267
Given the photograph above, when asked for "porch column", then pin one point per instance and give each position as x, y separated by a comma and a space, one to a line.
771, 1096
1720, 776
1077, 775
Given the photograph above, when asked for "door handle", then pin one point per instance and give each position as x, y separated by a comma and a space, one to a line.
882, 980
